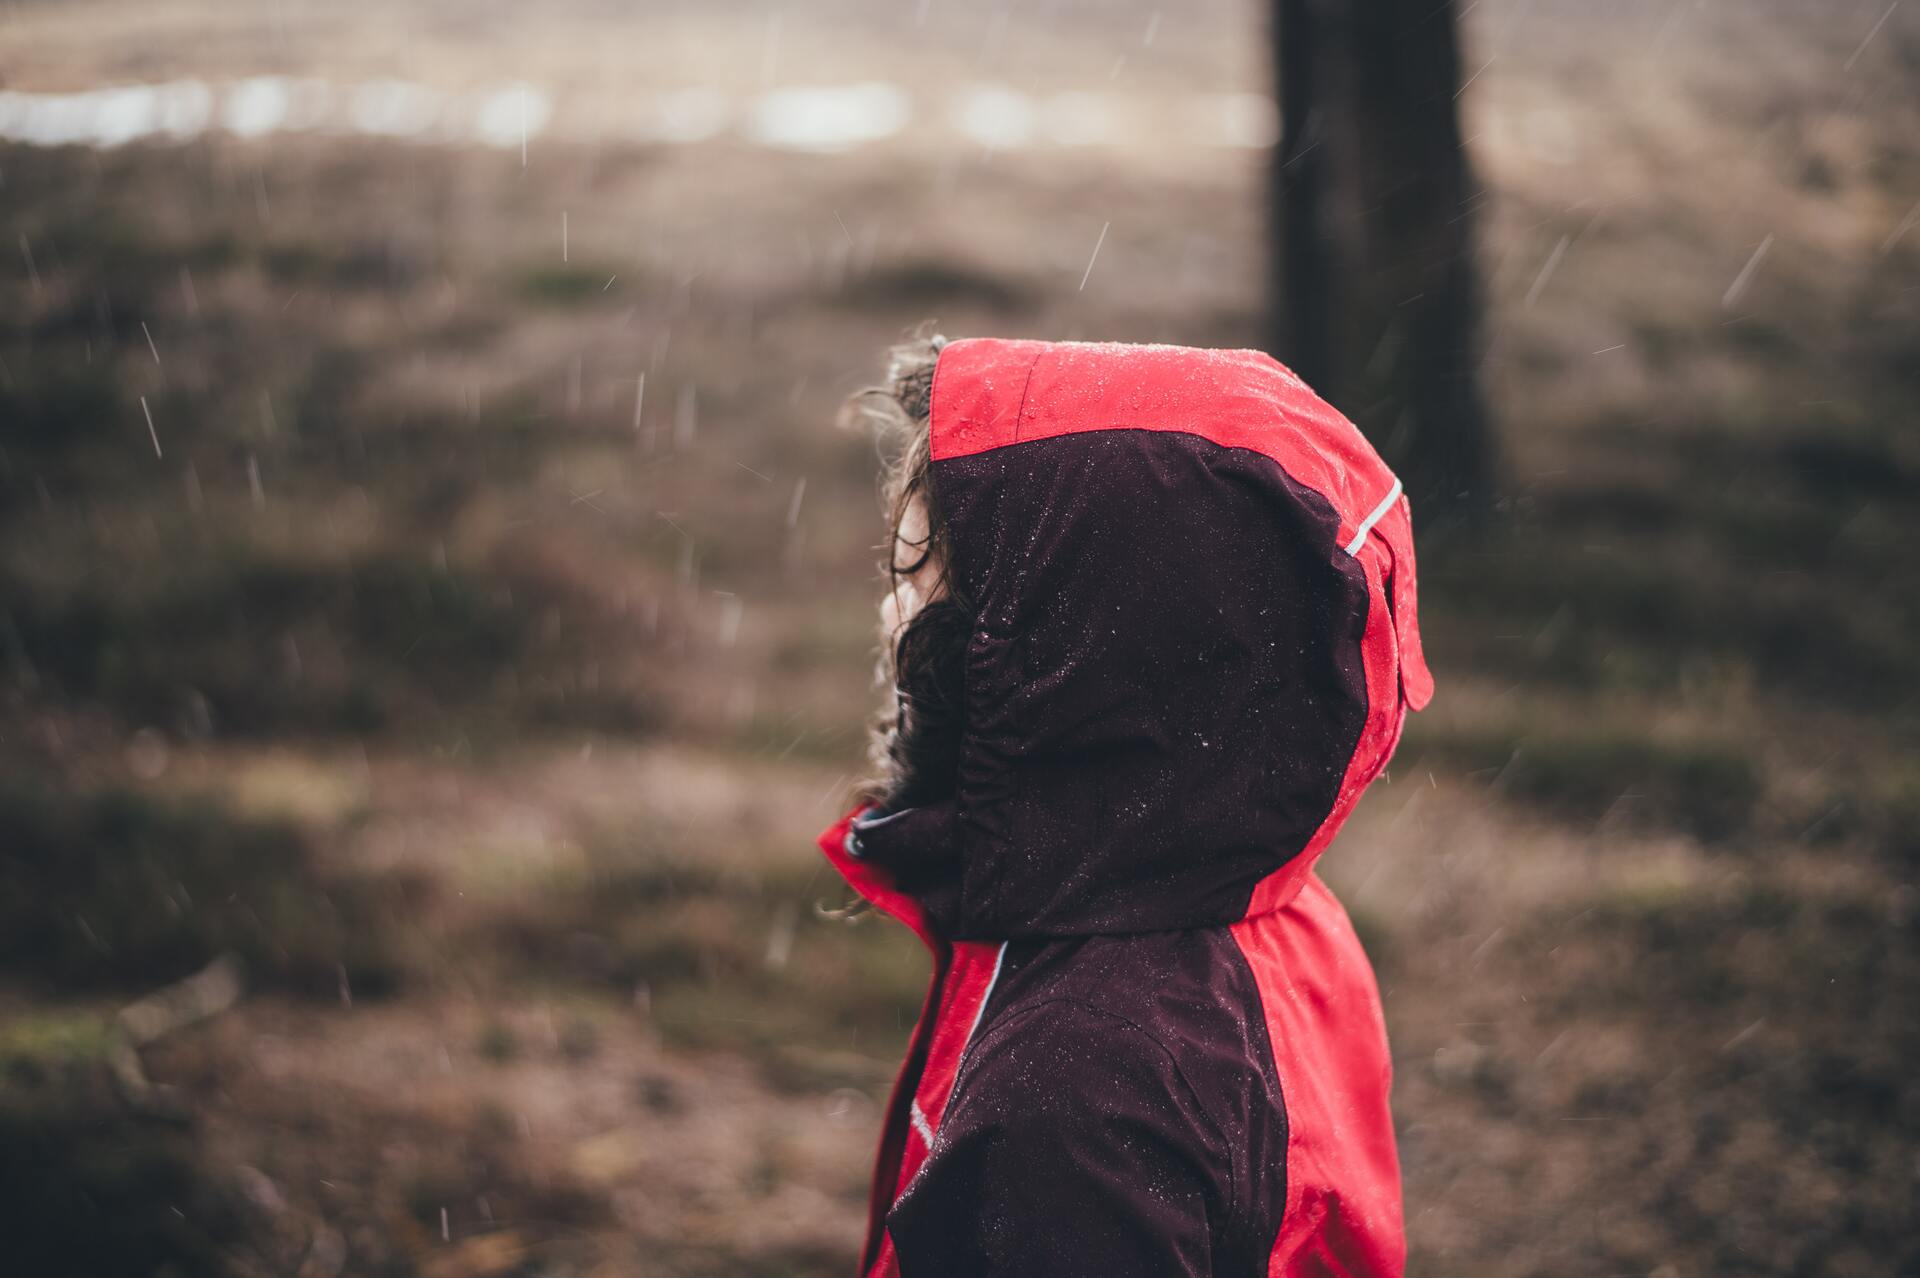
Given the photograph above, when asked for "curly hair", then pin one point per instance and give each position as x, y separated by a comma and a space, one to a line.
914, 745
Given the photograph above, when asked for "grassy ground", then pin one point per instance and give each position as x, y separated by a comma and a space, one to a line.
483, 698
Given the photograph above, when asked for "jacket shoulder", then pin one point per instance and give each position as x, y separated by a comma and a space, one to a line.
1166, 1022
1191, 993
1071, 1145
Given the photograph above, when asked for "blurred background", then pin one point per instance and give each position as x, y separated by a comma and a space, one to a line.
436, 609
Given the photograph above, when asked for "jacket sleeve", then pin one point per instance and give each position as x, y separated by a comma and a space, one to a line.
1071, 1147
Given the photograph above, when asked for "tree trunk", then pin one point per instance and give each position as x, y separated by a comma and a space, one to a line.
1376, 303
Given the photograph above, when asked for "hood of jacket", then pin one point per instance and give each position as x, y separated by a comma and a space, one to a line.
1194, 643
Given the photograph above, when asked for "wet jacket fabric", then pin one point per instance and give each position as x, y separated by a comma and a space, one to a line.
1152, 1043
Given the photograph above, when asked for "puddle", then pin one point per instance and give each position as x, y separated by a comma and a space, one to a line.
181, 110
817, 119
826, 119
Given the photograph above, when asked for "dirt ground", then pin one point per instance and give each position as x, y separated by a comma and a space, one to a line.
433, 576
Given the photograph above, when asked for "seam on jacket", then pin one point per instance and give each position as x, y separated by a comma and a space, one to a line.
1021, 1014
986, 996
1279, 1087
1130, 425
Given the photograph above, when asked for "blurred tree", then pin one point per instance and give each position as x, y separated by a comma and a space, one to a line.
1375, 298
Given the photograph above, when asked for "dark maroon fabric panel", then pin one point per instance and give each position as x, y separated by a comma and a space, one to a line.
1043, 1177
1117, 1113
1164, 685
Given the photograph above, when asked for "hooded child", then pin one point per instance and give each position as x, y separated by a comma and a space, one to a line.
1150, 632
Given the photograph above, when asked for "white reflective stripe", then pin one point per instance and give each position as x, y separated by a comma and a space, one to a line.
992, 981
917, 1115
919, 1118
1366, 525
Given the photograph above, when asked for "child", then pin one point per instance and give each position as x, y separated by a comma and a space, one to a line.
1152, 631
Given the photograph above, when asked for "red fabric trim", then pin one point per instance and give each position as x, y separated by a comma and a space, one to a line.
872, 883
979, 391
969, 980
1416, 681
888, 1264
1329, 1040
963, 974
873, 886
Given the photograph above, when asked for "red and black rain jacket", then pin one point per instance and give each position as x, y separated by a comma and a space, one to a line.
1152, 1044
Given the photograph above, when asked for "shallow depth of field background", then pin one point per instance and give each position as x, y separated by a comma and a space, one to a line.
364, 617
